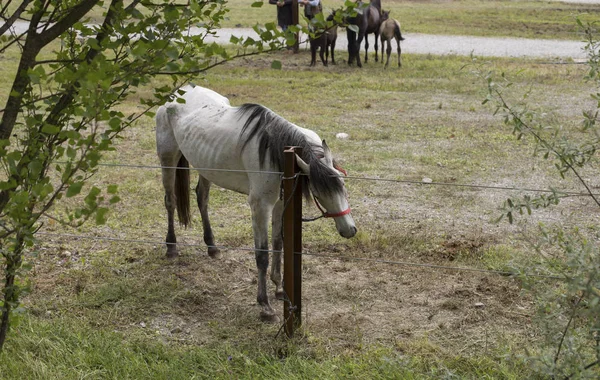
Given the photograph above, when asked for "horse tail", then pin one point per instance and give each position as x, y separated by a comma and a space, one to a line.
397, 32
182, 191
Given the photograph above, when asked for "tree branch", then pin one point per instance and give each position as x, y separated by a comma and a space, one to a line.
75, 14
548, 146
11, 20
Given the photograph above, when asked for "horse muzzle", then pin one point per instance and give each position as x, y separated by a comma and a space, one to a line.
348, 233
345, 226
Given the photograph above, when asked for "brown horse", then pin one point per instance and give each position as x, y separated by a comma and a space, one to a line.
390, 28
367, 22
323, 42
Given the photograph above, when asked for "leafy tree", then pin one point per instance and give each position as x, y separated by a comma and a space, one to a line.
78, 61
569, 312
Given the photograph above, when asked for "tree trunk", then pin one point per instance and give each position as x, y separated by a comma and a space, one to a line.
11, 297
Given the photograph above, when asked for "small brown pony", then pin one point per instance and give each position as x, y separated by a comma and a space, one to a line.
390, 28
323, 42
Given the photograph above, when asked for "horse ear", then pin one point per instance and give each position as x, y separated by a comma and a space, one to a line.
303, 165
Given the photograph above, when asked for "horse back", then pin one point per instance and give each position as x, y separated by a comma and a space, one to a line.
373, 21
390, 28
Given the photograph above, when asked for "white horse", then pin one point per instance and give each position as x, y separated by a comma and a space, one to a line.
241, 149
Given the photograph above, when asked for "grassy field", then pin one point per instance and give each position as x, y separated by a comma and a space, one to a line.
110, 309
527, 19
106, 309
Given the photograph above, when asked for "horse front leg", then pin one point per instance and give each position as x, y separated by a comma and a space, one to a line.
260, 227
388, 51
277, 228
202, 192
332, 47
366, 48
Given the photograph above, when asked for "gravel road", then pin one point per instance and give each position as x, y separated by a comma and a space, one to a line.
460, 45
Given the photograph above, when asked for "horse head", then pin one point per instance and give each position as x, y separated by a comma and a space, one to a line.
384, 15
327, 187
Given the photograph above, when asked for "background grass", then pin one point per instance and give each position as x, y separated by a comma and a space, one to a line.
102, 309
505, 18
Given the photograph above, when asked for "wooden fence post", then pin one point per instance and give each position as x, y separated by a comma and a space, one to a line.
292, 241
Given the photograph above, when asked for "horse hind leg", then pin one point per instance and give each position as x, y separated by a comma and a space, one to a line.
377, 47
399, 49
169, 179
382, 47
202, 192
323, 49
175, 180
388, 52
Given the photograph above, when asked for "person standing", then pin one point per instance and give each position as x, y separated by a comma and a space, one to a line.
311, 8
284, 13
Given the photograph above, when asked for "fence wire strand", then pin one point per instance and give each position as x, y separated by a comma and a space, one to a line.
328, 256
403, 181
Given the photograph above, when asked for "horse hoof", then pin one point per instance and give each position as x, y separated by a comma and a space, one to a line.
172, 253
268, 317
214, 252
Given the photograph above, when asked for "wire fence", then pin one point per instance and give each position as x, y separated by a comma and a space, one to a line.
291, 306
330, 256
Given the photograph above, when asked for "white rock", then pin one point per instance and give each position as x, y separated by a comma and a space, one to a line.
341, 136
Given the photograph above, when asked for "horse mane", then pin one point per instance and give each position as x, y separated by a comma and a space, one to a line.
273, 134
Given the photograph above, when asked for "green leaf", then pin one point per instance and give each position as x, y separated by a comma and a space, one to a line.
35, 168
50, 129
74, 189
115, 123
101, 215
276, 65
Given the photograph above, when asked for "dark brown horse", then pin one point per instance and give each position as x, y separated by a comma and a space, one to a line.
323, 42
367, 21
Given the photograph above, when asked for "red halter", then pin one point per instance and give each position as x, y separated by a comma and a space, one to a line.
334, 215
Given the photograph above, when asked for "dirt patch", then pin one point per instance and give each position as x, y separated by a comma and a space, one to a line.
346, 304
